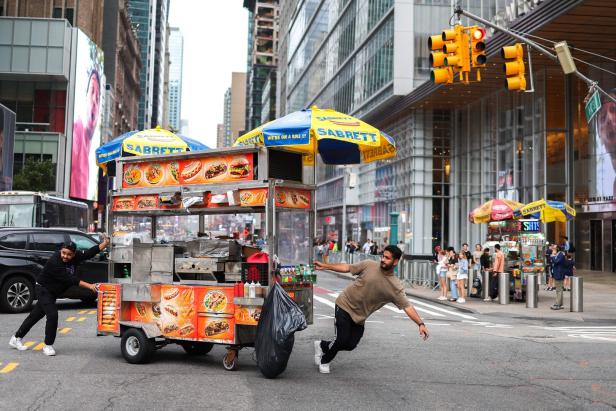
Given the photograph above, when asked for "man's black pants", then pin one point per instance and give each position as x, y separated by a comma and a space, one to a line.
348, 334
45, 306
494, 285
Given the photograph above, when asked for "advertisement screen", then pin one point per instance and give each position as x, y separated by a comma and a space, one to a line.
603, 159
7, 136
87, 116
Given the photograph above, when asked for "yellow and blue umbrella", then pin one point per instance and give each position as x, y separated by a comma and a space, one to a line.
338, 138
546, 211
156, 141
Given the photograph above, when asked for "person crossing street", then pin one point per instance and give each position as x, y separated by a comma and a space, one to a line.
374, 287
57, 276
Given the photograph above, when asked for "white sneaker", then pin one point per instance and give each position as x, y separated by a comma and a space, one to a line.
442, 298
487, 299
318, 352
16, 343
461, 300
49, 351
324, 368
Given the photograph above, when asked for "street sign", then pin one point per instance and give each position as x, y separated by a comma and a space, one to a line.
593, 105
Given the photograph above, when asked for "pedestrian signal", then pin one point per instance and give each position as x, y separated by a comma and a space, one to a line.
514, 67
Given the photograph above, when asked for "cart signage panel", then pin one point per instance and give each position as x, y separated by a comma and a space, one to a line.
290, 198
108, 315
216, 329
205, 170
531, 226
177, 311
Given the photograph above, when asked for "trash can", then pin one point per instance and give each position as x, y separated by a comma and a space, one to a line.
485, 286
532, 287
503, 288
577, 294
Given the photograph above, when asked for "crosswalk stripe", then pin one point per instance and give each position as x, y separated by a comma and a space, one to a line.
69, 319
29, 344
38, 347
64, 330
81, 319
83, 311
433, 307
9, 367
324, 301
92, 312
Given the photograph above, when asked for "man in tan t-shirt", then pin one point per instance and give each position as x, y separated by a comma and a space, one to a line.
374, 287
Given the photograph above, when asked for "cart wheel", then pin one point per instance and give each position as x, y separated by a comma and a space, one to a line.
229, 361
196, 348
137, 348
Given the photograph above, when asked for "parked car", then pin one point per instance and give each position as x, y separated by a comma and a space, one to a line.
24, 252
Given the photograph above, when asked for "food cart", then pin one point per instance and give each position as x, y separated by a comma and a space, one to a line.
198, 239
523, 244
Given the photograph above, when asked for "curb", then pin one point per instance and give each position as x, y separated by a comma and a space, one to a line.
410, 293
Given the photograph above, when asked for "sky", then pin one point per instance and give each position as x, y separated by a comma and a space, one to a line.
215, 44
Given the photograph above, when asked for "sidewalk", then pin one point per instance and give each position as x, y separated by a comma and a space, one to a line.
599, 301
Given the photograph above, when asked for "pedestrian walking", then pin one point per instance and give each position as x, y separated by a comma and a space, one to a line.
559, 271
452, 274
570, 271
462, 276
497, 269
550, 267
375, 285
486, 266
366, 248
477, 253
57, 276
441, 271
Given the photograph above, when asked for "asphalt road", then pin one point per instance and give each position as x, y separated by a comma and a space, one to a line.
469, 362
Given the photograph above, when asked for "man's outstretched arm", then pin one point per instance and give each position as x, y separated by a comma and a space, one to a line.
340, 268
412, 314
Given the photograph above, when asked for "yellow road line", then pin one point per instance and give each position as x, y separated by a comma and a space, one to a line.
29, 343
80, 319
39, 347
65, 330
69, 319
9, 367
92, 312
83, 311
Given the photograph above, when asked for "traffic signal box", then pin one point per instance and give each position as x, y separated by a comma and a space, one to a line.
514, 67
456, 50
440, 74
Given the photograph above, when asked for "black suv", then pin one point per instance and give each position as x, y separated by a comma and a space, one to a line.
24, 252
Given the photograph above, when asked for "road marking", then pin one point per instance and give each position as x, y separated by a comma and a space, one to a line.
64, 330
69, 319
324, 301
81, 319
9, 367
443, 310
92, 312
39, 347
29, 343
438, 324
487, 324
82, 312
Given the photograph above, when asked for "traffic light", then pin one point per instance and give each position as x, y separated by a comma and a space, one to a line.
456, 48
478, 47
440, 74
514, 67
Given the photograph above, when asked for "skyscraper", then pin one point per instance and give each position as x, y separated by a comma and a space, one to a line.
176, 50
234, 109
160, 47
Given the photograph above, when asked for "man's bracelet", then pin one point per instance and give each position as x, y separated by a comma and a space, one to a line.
420, 324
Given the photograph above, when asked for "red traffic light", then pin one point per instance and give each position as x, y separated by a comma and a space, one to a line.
479, 33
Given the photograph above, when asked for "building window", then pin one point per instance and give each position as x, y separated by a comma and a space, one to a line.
69, 15
57, 13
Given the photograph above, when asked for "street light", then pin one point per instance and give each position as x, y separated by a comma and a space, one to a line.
564, 57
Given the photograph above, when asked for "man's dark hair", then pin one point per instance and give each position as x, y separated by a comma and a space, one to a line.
486, 250
465, 244
396, 253
69, 246
497, 246
566, 238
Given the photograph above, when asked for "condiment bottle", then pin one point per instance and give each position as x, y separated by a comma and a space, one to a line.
246, 289
252, 290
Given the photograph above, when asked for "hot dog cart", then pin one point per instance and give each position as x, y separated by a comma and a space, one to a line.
198, 239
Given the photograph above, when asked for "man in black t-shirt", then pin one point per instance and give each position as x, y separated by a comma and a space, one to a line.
57, 276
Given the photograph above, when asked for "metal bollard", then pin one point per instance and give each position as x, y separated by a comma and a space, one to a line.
577, 294
485, 285
469, 282
503, 288
531, 291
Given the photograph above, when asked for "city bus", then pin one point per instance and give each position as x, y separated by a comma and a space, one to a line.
33, 209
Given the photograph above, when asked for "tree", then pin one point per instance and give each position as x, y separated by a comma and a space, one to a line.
36, 176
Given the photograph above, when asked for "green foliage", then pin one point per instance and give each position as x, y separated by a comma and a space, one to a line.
36, 176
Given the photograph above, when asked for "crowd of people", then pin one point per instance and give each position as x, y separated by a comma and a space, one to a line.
325, 247
453, 267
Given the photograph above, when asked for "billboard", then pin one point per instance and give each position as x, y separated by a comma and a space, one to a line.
87, 118
7, 138
603, 159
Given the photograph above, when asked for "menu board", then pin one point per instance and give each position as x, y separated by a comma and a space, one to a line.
216, 328
215, 300
108, 307
177, 311
253, 197
291, 198
206, 170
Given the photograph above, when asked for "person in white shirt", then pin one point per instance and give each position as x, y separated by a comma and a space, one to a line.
366, 248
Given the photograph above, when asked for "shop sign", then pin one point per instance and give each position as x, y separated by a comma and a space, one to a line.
530, 225
330, 220
593, 105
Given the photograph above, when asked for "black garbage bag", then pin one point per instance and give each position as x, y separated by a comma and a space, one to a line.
280, 319
476, 288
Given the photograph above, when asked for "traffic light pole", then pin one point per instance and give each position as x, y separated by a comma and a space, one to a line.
459, 11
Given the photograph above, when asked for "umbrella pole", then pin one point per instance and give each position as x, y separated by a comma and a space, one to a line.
314, 200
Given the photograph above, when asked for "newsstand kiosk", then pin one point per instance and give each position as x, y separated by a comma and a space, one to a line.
183, 269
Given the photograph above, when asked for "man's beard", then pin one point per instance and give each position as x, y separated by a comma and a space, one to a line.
386, 267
